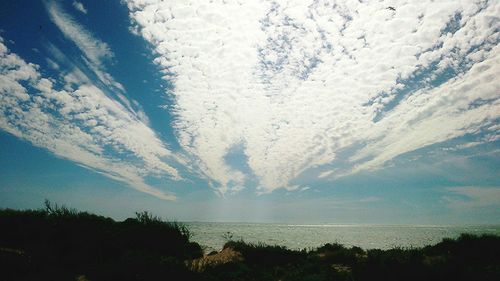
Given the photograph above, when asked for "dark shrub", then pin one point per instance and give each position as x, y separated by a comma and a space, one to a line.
60, 244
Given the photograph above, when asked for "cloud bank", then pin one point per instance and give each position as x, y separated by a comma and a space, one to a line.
295, 86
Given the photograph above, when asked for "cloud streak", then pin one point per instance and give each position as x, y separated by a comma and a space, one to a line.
79, 6
94, 49
472, 197
73, 117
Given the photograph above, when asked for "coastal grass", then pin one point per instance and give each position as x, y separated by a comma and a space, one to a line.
59, 243
469, 257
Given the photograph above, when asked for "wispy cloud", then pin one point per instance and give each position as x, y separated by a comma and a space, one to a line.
94, 49
472, 197
79, 122
94, 64
297, 82
79, 6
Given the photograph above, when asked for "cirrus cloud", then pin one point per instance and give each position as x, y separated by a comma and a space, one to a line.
82, 114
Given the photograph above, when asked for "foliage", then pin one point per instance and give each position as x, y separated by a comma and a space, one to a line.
469, 257
59, 243
228, 236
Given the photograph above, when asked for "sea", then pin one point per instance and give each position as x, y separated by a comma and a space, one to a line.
213, 235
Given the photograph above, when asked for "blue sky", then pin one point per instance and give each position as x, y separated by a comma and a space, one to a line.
264, 111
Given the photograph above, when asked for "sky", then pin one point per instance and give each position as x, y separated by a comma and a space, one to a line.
371, 112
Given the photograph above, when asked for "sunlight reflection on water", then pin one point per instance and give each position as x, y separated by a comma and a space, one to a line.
300, 236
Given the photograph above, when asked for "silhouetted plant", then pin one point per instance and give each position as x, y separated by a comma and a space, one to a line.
228, 236
59, 243
66, 243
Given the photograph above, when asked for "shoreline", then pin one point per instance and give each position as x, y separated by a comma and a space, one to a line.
367, 237
57, 243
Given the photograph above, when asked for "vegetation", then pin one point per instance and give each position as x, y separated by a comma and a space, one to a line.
469, 257
57, 243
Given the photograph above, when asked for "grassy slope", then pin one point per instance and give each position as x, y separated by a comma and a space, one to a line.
57, 243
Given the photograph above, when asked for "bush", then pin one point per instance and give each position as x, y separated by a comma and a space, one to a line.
58, 243
62, 244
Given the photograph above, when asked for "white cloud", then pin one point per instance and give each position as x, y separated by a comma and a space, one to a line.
473, 197
325, 174
94, 49
52, 64
96, 53
305, 188
436, 115
81, 123
79, 6
295, 82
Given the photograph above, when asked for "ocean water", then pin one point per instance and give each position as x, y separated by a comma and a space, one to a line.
212, 236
